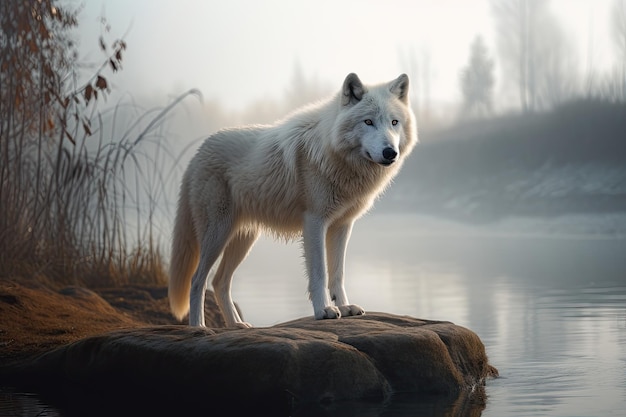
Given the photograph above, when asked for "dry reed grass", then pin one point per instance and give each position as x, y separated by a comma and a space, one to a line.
82, 191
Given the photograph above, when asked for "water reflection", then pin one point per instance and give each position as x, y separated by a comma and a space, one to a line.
548, 300
27, 405
18, 404
414, 265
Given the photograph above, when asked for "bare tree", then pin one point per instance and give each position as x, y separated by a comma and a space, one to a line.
534, 52
302, 89
618, 29
515, 43
420, 72
556, 63
477, 81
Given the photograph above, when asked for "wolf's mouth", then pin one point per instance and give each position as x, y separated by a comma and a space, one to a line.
384, 162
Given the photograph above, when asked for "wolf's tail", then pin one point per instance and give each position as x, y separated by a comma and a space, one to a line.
184, 260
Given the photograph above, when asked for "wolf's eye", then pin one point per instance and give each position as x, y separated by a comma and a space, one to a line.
368, 122
394, 122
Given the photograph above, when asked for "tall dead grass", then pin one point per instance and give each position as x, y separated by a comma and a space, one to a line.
90, 210
83, 192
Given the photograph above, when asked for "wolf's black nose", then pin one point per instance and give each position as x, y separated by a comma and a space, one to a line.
389, 154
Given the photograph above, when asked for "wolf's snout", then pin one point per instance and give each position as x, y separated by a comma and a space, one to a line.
390, 155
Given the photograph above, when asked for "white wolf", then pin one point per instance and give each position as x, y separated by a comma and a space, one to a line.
311, 175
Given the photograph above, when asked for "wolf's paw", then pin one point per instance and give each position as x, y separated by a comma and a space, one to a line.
330, 312
351, 310
242, 325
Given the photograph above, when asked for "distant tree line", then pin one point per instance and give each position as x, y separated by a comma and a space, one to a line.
538, 60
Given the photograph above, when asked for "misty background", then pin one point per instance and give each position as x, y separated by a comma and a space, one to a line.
244, 54
521, 109
520, 103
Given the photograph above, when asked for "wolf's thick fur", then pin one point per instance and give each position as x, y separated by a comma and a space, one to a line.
311, 174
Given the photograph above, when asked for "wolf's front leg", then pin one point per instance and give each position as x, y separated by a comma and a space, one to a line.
336, 243
314, 237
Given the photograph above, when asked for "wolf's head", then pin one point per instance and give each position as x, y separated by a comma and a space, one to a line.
376, 122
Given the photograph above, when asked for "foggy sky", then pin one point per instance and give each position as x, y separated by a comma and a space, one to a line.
240, 51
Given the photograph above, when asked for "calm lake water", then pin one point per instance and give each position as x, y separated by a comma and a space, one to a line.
547, 297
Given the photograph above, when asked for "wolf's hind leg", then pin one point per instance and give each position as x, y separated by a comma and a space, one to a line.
213, 241
336, 243
235, 252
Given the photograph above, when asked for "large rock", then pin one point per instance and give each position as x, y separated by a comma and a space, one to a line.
300, 363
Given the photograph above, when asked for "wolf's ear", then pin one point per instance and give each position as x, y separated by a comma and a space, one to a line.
353, 90
400, 87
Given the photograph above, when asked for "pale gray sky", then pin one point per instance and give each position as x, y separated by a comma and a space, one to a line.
245, 50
